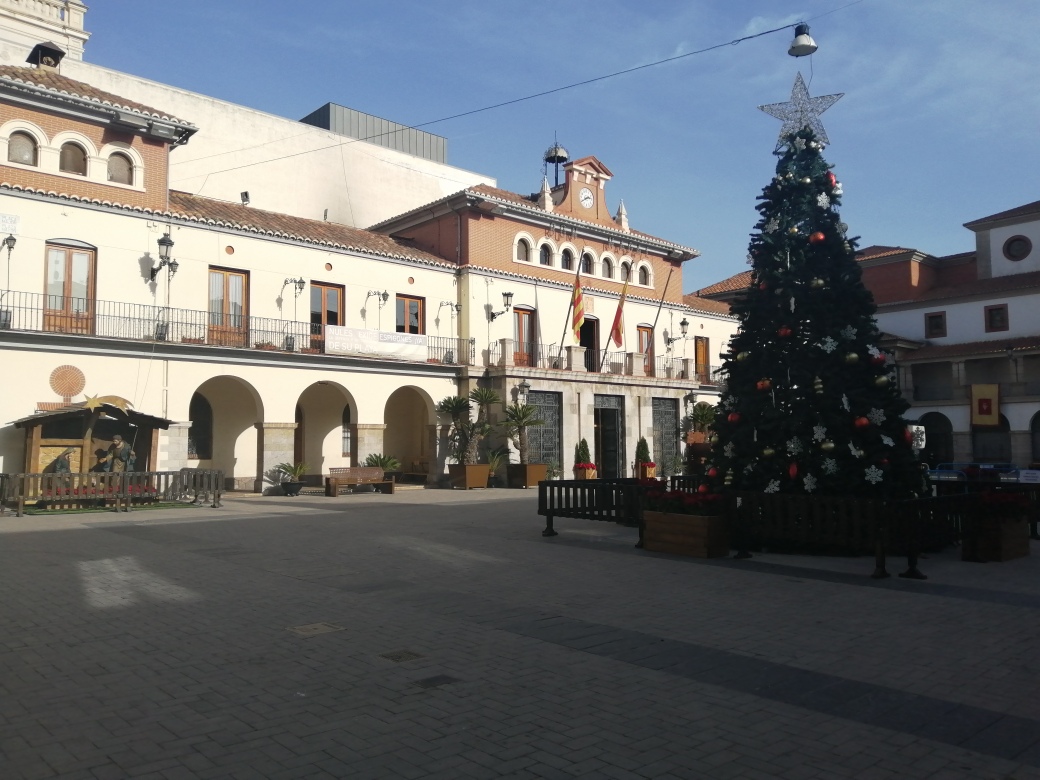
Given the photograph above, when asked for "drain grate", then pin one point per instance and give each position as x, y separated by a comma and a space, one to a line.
400, 656
313, 629
436, 682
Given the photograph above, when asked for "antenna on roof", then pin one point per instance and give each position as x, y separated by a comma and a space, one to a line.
556, 155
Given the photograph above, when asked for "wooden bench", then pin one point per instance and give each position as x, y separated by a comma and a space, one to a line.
357, 475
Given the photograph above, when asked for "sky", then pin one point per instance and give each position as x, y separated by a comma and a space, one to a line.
938, 124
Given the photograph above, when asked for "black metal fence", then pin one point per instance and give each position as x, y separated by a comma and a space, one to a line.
144, 322
118, 490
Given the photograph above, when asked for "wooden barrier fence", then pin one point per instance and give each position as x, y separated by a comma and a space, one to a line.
119, 490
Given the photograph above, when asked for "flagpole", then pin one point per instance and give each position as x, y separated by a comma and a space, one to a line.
567, 319
660, 304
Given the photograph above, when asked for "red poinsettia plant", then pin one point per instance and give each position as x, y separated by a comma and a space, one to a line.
658, 498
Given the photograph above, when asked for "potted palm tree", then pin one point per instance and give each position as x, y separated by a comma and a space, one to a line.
292, 477
645, 468
520, 417
698, 423
496, 458
466, 434
584, 468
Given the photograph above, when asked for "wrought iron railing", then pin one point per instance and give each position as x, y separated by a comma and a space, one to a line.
38, 312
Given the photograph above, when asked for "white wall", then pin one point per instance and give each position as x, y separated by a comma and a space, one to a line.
1000, 265
965, 322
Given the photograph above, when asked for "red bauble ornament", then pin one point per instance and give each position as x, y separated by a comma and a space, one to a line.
763, 286
908, 436
763, 384
792, 470
832, 180
733, 417
713, 472
784, 332
879, 360
817, 237
883, 462
702, 488
861, 422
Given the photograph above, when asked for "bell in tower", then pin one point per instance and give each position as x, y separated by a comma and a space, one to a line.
555, 155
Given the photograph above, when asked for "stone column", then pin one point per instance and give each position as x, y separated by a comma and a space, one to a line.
576, 359
634, 367
369, 441
507, 352
275, 443
438, 452
173, 448
688, 368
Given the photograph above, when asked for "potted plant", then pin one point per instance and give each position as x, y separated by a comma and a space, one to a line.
684, 523
267, 345
999, 529
292, 477
496, 458
466, 434
584, 468
697, 423
384, 462
520, 417
645, 468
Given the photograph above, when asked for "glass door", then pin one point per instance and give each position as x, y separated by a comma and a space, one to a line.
326, 309
228, 323
523, 338
646, 348
700, 352
70, 306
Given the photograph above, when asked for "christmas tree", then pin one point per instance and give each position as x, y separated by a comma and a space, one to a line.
811, 404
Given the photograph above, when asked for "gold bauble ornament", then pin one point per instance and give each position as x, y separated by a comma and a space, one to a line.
742, 356
827, 445
881, 381
792, 230
852, 358
817, 283
806, 180
768, 452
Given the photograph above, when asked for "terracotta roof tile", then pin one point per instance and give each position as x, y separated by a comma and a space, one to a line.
242, 217
739, 282
874, 252
55, 83
990, 347
1030, 209
706, 305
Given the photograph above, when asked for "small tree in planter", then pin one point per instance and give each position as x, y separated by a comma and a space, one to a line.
584, 468
645, 468
496, 458
520, 417
698, 422
384, 462
466, 435
291, 477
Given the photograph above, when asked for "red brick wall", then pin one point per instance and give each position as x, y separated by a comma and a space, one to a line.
153, 153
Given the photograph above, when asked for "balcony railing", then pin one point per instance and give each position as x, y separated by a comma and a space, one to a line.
42, 313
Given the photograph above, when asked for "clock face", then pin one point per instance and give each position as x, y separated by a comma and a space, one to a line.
585, 197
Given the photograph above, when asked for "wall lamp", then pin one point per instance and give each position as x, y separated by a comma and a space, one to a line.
507, 301
382, 296
684, 327
455, 307
523, 391
298, 283
165, 246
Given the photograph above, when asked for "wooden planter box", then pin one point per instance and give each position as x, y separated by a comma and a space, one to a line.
525, 475
644, 471
700, 536
998, 541
469, 477
584, 473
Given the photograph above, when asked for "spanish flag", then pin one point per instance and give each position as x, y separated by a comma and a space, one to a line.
617, 329
578, 307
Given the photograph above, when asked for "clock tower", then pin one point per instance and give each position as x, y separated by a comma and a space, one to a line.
584, 191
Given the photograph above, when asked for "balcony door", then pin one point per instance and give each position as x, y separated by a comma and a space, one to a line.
228, 314
523, 337
702, 359
646, 348
326, 309
70, 290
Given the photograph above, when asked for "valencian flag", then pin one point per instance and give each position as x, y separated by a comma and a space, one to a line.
617, 329
578, 307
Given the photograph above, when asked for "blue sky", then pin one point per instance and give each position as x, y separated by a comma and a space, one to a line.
938, 126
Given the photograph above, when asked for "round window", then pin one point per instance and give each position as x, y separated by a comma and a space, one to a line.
1017, 248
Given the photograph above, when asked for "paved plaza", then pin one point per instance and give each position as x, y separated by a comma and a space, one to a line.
437, 634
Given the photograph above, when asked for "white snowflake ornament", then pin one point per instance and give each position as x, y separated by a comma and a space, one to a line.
794, 446
830, 466
729, 450
828, 345
873, 351
773, 486
887, 441
819, 433
848, 332
799, 144
845, 402
873, 475
810, 483
772, 225
876, 416
823, 201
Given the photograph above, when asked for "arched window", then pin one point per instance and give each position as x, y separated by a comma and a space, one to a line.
644, 275
348, 434
626, 269
991, 445
120, 169
73, 159
567, 260
200, 434
608, 269
938, 439
21, 148
545, 255
586, 263
523, 251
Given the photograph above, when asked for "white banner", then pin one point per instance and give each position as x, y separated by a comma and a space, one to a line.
358, 341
